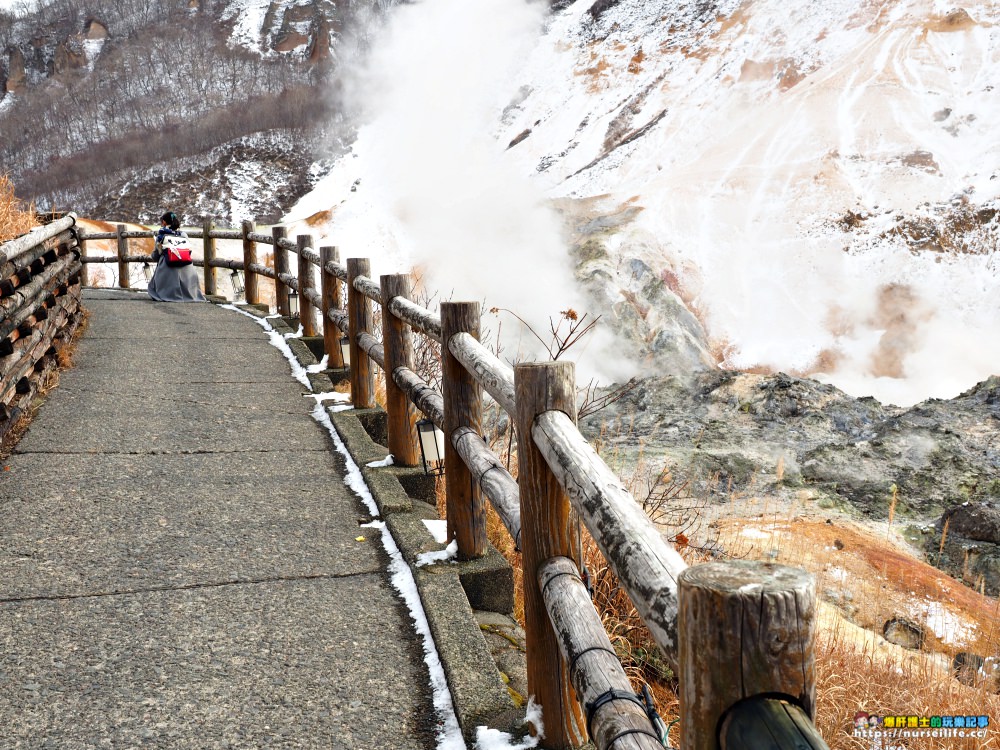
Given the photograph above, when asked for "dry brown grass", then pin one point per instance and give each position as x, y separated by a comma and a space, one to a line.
867, 572
16, 218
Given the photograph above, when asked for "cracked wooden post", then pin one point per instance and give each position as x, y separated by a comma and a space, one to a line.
280, 267
249, 258
122, 250
331, 300
746, 632
208, 250
463, 407
359, 310
307, 310
548, 529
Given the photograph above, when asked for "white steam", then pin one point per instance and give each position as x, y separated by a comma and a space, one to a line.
431, 186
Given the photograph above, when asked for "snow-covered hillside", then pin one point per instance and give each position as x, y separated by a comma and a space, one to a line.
818, 181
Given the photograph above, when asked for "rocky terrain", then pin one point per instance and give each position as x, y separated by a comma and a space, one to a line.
795, 440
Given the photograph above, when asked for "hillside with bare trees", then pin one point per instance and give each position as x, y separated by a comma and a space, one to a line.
101, 101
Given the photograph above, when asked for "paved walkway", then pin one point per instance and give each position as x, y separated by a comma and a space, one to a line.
178, 556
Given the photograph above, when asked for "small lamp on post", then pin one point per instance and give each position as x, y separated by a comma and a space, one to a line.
239, 285
345, 350
293, 303
431, 446
147, 271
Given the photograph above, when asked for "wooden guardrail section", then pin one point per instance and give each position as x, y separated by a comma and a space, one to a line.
39, 310
739, 635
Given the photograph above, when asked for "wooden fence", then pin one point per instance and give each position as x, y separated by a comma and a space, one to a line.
39, 310
739, 635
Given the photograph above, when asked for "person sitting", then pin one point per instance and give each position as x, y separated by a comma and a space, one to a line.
172, 283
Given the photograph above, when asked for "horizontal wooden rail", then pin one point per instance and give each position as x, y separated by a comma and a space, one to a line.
372, 347
646, 565
492, 477
496, 377
336, 269
424, 397
368, 288
616, 717
419, 318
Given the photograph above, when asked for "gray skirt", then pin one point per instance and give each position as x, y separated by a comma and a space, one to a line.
174, 284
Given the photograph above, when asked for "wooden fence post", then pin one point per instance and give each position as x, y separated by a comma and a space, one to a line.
463, 407
548, 529
331, 300
307, 310
280, 267
81, 238
208, 250
359, 310
398, 346
249, 258
745, 629
123, 280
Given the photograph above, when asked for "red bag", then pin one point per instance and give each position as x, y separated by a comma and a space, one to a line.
177, 250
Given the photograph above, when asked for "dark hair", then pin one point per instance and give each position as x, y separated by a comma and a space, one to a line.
171, 220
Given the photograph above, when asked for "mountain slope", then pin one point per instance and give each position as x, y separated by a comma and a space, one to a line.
818, 183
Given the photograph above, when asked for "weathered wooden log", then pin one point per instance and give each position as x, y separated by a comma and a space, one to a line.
746, 629
13, 248
616, 717
339, 318
123, 280
259, 238
372, 347
359, 308
337, 269
310, 255
401, 414
315, 298
208, 252
62, 243
417, 317
225, 263
12, 282
495, 376
307, 305
53, 275
289, 281
368, 288
492, 477
262, 270
278, 235
115, 259
249, 260
463, 407
769, 722
548, 529
16, 380
332, 300
19, 350
646, 565
424, 396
